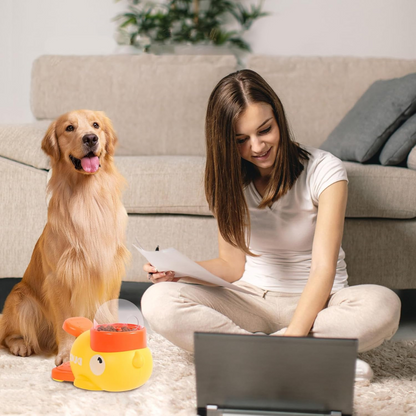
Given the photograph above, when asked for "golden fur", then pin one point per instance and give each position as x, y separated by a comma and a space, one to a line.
79, 260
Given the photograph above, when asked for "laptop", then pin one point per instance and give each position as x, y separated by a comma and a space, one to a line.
284, 376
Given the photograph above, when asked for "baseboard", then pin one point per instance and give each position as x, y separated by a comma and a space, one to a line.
131, 291
6, 285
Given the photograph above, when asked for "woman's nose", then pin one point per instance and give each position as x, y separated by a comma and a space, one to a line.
257, 144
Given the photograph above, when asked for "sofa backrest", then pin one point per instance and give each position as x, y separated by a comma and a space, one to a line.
156, 103
317, 92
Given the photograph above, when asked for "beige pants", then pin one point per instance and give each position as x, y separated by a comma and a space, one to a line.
176, 310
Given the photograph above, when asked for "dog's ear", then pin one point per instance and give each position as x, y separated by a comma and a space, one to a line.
112, 140
50, 143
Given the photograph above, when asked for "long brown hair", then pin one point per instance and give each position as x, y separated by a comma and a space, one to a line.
226, 173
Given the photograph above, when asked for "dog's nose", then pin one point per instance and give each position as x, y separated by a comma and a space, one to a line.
90, 140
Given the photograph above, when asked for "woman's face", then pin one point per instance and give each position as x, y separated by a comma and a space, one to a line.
258, 136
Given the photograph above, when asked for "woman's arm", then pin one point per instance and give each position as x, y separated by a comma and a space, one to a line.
325, 252
229, 266
230, 263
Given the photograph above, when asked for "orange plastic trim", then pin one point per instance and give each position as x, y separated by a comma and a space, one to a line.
109, 341
76, 326
63, 373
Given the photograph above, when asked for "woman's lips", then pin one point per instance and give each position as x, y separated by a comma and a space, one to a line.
264, 156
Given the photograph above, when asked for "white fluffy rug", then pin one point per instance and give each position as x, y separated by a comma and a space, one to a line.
26, 387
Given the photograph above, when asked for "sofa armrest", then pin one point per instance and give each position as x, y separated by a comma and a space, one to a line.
22, 143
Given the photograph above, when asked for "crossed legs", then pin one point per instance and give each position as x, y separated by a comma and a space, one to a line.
369, 313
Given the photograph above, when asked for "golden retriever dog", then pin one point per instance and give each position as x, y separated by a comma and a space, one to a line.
80, 258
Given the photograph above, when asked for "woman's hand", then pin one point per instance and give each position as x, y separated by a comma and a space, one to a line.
156, 276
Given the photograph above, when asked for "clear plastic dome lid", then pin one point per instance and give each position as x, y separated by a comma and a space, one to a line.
118, 315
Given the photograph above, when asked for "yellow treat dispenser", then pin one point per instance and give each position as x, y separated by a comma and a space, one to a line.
110, 354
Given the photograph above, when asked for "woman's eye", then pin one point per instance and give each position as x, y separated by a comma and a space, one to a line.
266, 130
241, 141
70, 128
96, 125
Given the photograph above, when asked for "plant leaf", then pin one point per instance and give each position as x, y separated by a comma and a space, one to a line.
240, 44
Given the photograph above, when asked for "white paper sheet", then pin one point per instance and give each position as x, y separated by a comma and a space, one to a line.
172, 259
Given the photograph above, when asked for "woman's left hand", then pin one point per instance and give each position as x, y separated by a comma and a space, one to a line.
163, 277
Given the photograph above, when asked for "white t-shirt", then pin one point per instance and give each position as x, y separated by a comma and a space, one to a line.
283, 234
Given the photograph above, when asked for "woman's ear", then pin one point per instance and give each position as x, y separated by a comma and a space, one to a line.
112, 140
50, 143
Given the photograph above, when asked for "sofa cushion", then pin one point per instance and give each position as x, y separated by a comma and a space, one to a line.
317, 92
175, 185
164, 184
400, 143
23, 214
156, 103
376, 191
380, 251
193, 235
373, 119
22, 143
411, 159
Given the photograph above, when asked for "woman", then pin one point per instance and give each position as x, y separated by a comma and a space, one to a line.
280, 209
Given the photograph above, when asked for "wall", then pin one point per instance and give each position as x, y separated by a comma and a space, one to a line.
381, 28
29, 29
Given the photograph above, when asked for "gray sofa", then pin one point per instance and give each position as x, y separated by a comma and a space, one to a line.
157, 105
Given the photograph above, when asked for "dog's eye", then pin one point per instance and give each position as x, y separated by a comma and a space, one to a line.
70, 128
96, 125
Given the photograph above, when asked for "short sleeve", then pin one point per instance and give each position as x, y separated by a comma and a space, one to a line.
327, 170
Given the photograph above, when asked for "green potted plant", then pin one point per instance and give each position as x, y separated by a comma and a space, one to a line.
149, 26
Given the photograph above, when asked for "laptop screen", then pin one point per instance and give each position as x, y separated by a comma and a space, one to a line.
264, 373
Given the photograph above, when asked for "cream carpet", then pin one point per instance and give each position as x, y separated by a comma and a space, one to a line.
26, 387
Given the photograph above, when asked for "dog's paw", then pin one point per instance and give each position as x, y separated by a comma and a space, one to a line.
19, 347
62, 356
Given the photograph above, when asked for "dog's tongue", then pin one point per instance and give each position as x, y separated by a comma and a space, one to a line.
90, 164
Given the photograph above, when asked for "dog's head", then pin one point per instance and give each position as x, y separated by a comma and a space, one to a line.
83, 140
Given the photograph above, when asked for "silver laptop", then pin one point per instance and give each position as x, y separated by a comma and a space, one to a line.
264, 375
